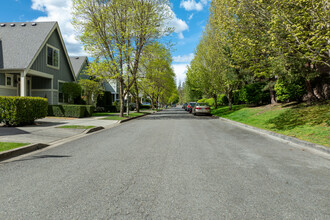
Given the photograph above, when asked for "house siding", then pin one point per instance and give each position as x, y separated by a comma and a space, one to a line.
8, 92
64, 72
43, 94
2, 79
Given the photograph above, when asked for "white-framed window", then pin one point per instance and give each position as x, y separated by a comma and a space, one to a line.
9, 80
53, 57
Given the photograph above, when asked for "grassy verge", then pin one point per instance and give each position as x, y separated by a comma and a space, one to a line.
4, 146
76, 126
131, 115
310, 123
96, 114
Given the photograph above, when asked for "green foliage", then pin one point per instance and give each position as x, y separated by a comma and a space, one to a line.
16, 111
71, 90
254, 94
289, 91
75, 111
4, 146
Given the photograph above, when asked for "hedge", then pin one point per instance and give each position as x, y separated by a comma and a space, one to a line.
15, 110
74, 111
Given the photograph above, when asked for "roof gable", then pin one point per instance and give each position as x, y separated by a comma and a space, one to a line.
22, 41
78, 63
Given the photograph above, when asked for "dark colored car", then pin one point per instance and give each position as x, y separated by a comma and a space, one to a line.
184, 106
191, 105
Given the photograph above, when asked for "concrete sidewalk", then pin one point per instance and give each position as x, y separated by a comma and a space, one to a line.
45, 130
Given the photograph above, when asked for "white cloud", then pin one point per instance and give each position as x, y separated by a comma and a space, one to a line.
180, 71
178, 24
183, 59
191, 16
192, 5
60, 11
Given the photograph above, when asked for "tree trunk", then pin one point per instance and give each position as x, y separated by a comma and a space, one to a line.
137, 101
121, 98
230, 99
272, 95
310, 94
215, 97
152, 103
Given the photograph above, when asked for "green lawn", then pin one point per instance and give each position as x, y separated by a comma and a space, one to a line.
95, 114
310, 123
131, 115
76, 126
4, 146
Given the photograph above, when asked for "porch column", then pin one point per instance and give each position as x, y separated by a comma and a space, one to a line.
23, 84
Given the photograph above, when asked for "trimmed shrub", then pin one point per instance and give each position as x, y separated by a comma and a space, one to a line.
289, 91
15, 110
71, 90
74, 111
254, 94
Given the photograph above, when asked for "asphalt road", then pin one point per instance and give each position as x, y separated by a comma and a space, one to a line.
170, 165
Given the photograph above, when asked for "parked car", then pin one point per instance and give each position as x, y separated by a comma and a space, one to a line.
184, 106
191, 106
201, 108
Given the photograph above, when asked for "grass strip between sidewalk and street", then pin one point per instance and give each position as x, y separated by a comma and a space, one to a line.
309, 123
118, 118
76, 126
4, 146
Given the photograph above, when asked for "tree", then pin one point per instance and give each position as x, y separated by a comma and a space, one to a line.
115, 32
158, 81
92, 88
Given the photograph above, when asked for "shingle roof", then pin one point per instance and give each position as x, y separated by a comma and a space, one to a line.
20, 43
77, 63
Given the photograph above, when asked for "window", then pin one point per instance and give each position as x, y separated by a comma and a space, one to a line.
53, 56
9, 80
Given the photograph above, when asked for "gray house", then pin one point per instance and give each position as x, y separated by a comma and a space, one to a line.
33, 60
80, 63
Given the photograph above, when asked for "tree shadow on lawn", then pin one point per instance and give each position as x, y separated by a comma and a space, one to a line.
299, 115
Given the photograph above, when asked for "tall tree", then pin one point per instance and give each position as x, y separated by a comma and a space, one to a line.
115, 33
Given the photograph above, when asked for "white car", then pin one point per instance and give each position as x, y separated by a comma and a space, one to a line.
201, 108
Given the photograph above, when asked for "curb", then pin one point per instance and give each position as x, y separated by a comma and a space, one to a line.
289, 139
34, 147
21, 150
91, 130
128, 119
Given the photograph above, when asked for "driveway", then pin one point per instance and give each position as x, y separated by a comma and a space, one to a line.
46, 131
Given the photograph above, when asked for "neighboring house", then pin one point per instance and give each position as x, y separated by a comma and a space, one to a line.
33, 60
80, 64
113, 87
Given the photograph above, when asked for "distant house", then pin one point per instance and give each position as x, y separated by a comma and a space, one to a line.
80, 64
33, 61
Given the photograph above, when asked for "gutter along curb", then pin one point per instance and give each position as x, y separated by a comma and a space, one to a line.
282, 137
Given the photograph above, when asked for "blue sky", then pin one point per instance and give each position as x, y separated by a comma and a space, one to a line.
189, 20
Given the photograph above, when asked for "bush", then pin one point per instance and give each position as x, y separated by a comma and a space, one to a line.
222, 99
254, 94
289, 91
104, 100
71, 90
22, 110
75, 111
